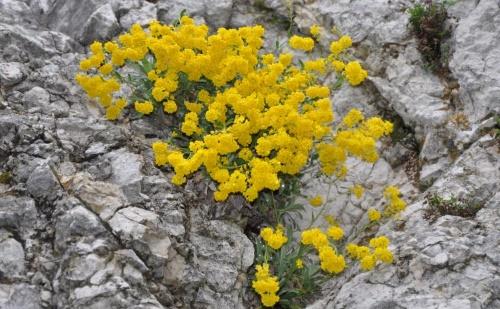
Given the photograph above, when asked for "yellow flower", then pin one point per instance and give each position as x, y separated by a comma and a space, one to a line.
373, 215
269, 299
274, 239
316, 201
379, 242
368, 262
144, 107
301, 43
345, 41
354, 73
169, 107
299, 264
315, 31
357, 190
335, 232
384, 255
338, 65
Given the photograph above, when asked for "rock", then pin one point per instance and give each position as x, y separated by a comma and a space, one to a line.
126, 172
13, 12
11, 73
430, 172
101, 26
42, 184
102, 198
11, 257
141, 229
76, 224
475, 63
36, 97
143, 16
84, 21
19, 296
22, 43
215, 13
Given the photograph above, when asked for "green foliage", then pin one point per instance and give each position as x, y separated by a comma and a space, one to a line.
427, 21
439, 206
5, 177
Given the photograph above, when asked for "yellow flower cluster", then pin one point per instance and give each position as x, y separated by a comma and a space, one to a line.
316, 201
266, 285
368, 256
396, 204
373, 215
357, 190
330, 261
273, 238
354, 73
315, 31
144, 107
301, 43
250, 118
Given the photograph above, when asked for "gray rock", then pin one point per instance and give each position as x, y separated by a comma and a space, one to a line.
102, 198
42, 184
101, 25
36, 97
142, 15
22, 43
84, 21
11, 257
475, 62
19, 214
141, 229
215, 13
13, 296
126, 172
76, 224
11, 73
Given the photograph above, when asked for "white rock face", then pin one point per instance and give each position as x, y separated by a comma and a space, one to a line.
476, 60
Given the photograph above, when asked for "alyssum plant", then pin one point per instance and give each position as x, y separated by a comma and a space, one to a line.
252, 122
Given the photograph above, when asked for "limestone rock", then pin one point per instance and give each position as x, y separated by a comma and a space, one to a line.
11, 73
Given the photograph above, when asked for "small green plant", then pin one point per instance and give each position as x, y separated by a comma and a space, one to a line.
5, 177
439, 206
427, 21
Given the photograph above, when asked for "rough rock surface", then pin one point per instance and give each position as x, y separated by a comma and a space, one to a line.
87, 221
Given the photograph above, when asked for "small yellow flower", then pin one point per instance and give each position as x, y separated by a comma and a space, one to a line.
315, 31
373, 215
335, 232
316, 201
169, 107
357, 190
384, 255
299, 264
144, 107
368, 262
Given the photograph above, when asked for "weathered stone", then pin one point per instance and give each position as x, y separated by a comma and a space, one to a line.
11, 73
36, 97
475, 62
19, 296
84, 21
126, 172
102, 198
42, 184
11, 257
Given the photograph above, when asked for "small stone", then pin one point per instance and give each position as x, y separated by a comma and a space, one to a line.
42, 184
11, 258
11, 73
36, 97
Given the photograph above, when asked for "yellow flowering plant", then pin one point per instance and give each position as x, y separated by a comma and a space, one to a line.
253, 123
